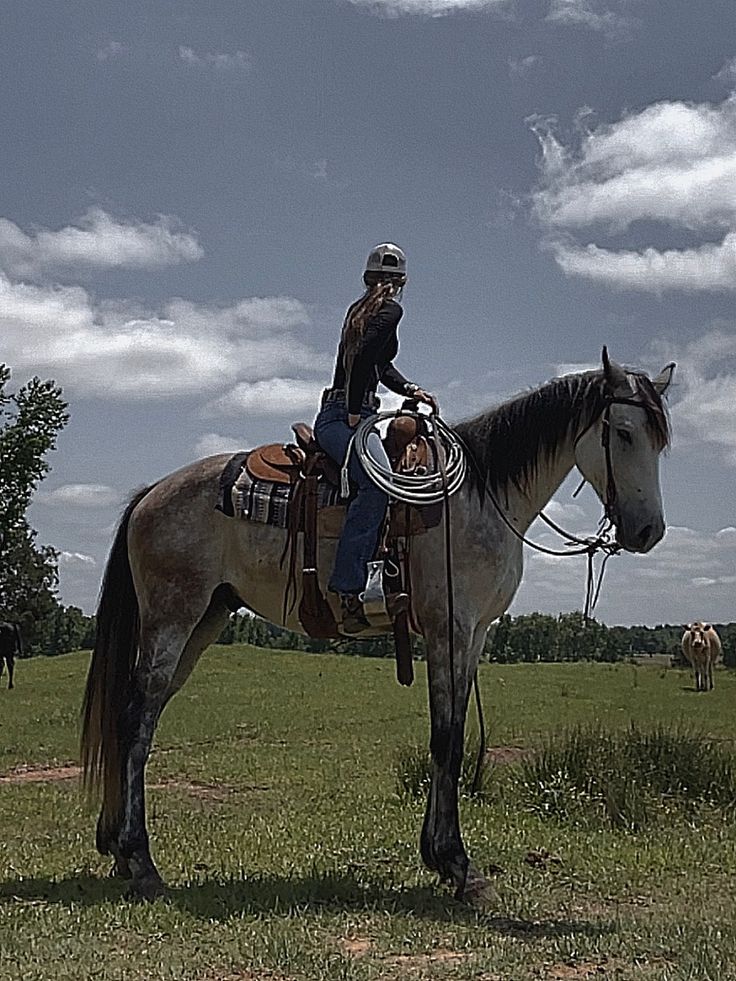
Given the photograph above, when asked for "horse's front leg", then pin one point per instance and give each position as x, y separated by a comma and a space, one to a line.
450, 678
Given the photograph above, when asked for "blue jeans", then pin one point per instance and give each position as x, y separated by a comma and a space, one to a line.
367, 507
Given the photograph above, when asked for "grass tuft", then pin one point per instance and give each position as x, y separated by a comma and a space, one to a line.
627, 778
413, 771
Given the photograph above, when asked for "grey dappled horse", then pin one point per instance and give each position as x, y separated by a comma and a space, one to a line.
10, 645
177, 566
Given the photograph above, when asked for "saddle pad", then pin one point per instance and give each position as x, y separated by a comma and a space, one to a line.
262, 500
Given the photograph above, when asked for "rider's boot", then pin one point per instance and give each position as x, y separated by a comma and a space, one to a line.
353, 615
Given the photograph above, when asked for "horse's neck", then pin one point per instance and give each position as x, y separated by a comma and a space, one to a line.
524, 506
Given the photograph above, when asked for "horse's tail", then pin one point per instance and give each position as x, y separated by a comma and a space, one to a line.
110, 677
18, 640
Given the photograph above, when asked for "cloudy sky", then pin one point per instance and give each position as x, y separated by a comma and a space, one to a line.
189, 191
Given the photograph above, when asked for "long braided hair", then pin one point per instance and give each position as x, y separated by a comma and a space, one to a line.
378, 289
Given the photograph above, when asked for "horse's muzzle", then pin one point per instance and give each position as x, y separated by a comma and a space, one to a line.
639, 537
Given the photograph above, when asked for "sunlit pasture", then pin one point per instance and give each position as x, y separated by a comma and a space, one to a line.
278, 818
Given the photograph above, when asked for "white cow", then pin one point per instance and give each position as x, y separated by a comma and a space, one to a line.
701, 645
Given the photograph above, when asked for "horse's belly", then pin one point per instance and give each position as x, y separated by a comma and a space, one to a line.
257, 567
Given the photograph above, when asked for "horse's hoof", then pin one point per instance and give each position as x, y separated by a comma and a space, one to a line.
478, 892
147, 889
121, 870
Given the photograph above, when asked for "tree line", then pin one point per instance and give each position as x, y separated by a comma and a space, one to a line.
528, 638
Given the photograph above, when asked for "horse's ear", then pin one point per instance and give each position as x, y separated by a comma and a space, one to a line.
613, 373
662, 381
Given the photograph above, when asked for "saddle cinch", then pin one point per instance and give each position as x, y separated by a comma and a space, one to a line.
303, 465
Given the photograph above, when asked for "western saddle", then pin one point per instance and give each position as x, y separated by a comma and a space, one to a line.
302, 464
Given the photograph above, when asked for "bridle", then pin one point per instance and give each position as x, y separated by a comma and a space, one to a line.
602, 541
609, 500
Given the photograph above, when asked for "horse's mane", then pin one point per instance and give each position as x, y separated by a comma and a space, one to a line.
508, 442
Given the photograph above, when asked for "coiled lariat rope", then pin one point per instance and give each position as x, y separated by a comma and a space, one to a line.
419, 489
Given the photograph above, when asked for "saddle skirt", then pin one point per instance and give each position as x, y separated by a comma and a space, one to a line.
260, 485
267, 501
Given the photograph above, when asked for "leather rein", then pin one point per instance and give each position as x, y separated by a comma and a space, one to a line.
602, 541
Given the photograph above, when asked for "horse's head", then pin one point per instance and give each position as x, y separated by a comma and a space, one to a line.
618, 454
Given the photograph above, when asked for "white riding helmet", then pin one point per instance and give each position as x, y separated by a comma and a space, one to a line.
386, 258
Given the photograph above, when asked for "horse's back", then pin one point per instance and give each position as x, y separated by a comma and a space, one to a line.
172, 503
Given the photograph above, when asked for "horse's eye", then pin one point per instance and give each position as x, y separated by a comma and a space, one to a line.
625, 435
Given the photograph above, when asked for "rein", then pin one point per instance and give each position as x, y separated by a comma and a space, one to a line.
602, 542
446, 490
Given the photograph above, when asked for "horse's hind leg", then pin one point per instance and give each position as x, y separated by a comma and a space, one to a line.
161, 648
10, 660
168, 655
205, 633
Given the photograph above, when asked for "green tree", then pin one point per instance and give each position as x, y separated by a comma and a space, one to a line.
30, 421
66, 629
497, 641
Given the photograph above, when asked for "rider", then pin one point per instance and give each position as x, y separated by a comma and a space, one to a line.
368, 345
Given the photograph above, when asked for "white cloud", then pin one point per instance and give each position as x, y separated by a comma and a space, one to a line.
113, 49
120, 351
709, 267
524, 67
672, 163
270, 397
609, 17
97, 240
217, 60
706, 394
720, 581
76, 558
211, 444
427, 8
727, 72
80, 496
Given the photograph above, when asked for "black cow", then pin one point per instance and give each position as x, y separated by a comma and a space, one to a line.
10, 642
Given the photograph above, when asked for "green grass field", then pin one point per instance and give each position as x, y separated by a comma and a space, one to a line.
290, 854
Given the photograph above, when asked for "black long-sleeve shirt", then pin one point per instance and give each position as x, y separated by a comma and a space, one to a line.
374, 359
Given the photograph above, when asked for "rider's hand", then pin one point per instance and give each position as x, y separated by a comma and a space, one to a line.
421, 396
353, 420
